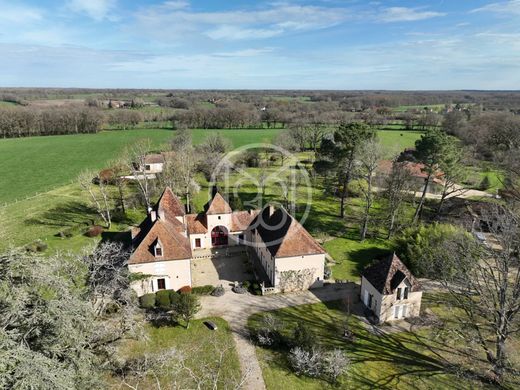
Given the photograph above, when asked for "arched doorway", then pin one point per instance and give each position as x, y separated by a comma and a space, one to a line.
219, 236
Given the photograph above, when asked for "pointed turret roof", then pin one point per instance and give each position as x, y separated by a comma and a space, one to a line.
170, 205
218, 205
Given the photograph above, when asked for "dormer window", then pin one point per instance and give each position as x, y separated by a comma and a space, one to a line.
402, 293
158, 249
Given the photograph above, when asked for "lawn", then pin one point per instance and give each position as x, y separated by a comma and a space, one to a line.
394, 141
200, 346
419, 359
35, 164
351, 255
38, 164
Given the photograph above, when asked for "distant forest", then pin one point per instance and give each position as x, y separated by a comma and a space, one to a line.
50, 111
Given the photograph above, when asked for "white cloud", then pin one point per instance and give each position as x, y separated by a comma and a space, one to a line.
404, 14
272, 20
16, 13
511, 7
245, 52
96, 9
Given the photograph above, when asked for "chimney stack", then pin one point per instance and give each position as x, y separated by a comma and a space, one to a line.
271, 209
153, 215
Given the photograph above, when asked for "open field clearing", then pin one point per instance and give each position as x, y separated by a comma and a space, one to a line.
38, 164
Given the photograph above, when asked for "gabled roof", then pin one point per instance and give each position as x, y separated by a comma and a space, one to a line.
218, 205
197, 223
415, 169
154, 158
387, 273
283, 235
175, 245
241, 220
169, 205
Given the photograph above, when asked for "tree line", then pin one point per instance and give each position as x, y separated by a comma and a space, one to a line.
26, 121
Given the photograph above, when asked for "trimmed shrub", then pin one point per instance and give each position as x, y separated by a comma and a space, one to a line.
239, 290
94, 231
162, 299
41, 246
218, 291
173, 295
185, 290
203, 290
246, 284
31, 247
147, 301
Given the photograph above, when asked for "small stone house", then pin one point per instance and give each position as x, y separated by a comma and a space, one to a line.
390, 290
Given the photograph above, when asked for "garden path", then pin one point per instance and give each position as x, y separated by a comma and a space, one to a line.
237, 308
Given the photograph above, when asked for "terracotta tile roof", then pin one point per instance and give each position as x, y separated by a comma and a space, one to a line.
218, 205
174, 245
154, 158
416, 169
283, 235
387, 273
196, 223
240, 220
169, 205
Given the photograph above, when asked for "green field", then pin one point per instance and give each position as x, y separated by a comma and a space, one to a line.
35, 164
38, 164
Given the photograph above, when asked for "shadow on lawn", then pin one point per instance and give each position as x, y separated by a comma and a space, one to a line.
414, 356
68, 214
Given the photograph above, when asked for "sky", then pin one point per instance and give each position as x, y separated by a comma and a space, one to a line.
237, 44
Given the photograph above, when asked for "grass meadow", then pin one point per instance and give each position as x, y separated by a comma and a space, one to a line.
418, 359
38, 164
201, 346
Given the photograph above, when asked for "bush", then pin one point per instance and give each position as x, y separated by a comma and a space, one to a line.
356, 187
421, 247
185, 290
162, 299
203, 290
147, 301
303, 337
246, 285
173, 296
41, 246
218, 291
316, 363
94, 231
269, 333
306, 362
239, 290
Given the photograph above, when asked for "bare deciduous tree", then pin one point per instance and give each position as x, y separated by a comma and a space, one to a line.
370, 154
484, 283
398, 186
136, 162
99, 195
